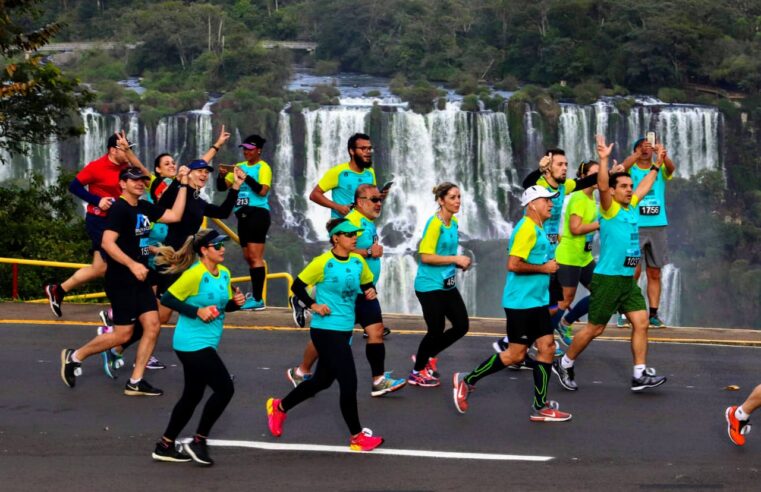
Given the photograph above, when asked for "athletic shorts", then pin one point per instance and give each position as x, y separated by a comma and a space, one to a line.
556, 290
130, 301
367, 312
611, 294
525, 326
253, 224
95, 225
571, 276
164, 281
654, 246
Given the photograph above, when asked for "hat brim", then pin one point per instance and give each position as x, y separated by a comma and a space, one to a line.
248, 146
346, 227
208, 168
142, 177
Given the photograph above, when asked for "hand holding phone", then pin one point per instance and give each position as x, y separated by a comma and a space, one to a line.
650, 137
386, 186
226, 168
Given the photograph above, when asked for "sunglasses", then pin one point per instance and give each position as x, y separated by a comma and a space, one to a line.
374, 199
348, 234
217, 246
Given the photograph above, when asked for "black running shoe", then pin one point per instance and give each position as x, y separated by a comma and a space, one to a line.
199, 451
69, 369
648, 380
298, 311
169, 453
54, 294
499, 346
141, 388
566, 376
386, 332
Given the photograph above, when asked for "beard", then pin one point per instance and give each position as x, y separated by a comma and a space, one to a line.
362, 162
560, 180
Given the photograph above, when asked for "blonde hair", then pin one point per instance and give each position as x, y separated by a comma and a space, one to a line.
180, 260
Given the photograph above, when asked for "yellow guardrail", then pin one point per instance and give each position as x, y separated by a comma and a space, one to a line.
15, 262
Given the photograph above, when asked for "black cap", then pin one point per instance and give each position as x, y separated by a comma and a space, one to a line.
212, 237
132, 173
252, 141
112, 142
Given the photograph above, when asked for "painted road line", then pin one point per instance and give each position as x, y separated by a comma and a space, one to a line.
413, 453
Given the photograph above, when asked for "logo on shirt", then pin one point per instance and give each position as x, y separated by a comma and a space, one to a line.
143, 225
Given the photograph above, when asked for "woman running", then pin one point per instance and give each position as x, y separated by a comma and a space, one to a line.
338, 275
574, 253
435, 286
202, 295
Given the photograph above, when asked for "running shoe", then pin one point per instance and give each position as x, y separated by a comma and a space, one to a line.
141, 388
106, 317
526, 364
431, 366
252, 304
647, 380
365, 441
736, 429
70, 370
564, 332
275, 417
54, 293
155, 364
298, 311
386, 332
500, 345
655, 322
111, 361
387, 385
424, 379
565, 376
198, 451
622, 321
293, 376
461, 391
169, 453
549, 413
559, 352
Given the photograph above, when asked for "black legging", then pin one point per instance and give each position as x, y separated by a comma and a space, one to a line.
439, 305
202, 368
336, 362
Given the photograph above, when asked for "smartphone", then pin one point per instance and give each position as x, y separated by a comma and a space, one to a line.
650, 137
386, 186
225, 168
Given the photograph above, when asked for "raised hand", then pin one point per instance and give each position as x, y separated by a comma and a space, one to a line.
603, 150
223, 137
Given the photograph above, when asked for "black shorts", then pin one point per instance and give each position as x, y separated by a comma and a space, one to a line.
556, 290
367, 312
525, 326
164, 281
571, 276
95, 225
253, 224
128, 302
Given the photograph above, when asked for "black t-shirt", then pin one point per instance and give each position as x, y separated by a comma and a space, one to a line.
131, 223
195, 210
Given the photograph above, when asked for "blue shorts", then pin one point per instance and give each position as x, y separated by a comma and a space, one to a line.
367, 312
95, 225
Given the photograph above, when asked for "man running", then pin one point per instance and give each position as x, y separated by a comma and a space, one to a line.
127, 284
652, 218
613, 287
101, 177
738, 417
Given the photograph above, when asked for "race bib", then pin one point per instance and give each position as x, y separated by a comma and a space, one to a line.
449, 277
145, 251
553, 238
588, 246
632, 257
649, 209
241, 202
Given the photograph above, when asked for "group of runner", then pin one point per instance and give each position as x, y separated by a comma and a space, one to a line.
151, 271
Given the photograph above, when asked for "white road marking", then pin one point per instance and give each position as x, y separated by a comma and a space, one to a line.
414, 453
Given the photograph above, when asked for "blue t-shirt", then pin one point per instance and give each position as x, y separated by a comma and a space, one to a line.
336, 284
343, 182
552, 225
528, 290
368, 237
652, 207
619, 239
438, 239
198, 287
262, 173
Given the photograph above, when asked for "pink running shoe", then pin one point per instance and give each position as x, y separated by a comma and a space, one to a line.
365, 441
275, 417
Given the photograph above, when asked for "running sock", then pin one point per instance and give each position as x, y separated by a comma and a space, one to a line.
300, 373
489, 366
557, 317
639, 369
74, 357
134, 381
257, 282
653, 312
740, 413
541, 379
565, 362
577, 311
505, 339
376, 356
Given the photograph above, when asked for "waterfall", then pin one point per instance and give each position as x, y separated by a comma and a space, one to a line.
203, 136
670, 306
282, 169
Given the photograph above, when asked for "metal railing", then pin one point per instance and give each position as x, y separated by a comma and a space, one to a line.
15, 262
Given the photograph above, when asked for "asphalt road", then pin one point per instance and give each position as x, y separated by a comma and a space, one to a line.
674, 437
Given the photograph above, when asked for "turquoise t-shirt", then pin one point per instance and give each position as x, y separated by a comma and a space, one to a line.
619, 239
652, 207
441, 240
367, 238
528, 290
262, 173
336, 284
158, 231
552, 225
198, 287
343, 182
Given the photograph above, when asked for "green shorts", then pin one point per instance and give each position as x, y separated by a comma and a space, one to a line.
611, 293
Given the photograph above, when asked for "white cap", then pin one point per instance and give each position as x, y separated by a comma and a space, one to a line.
535, 192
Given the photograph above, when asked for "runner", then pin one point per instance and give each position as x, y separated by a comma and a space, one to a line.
126, 283
202, 295
525, 300
435, 286
253, 212
613, 286
338, 275
101, 177
652, 218
368, 203
738, 417
574, 252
